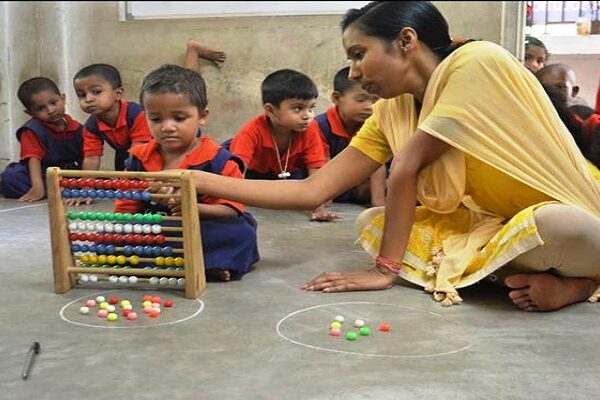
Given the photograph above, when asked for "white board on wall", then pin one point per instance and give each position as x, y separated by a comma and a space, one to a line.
136, 10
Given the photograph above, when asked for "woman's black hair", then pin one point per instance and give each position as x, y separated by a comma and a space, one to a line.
385, 20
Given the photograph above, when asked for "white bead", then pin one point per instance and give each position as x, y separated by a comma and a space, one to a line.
173, 281
99, 227
127, 307
84, 278
132, 280
100, 299
359, 323
118, 228
147, 228
113, 279
137, 228
72, 226
181, 282
163, 281
127, 228
339, 318
153, 280
84, 310
108, 228
81, 226
110, 308
123, 279
93, 278
90, 226
156, 229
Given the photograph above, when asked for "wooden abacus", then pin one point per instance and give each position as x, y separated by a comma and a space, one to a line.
68, 268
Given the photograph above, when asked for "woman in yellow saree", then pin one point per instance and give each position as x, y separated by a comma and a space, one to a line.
502, 187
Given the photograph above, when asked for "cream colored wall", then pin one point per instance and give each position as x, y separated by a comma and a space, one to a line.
74, 34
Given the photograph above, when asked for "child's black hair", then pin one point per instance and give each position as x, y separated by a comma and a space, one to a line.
341, 83
103, 71
177, 80
33, 86
287, 84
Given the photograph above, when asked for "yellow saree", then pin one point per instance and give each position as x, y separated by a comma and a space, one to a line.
510, 154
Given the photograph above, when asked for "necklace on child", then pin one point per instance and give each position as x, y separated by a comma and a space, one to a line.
284, 173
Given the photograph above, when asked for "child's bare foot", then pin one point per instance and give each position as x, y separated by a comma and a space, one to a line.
215, 56
222, 274
546, 292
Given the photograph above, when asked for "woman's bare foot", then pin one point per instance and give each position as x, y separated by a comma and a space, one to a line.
222, 274
547, 292
215, 56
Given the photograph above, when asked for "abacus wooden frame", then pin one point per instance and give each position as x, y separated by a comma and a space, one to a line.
63, 261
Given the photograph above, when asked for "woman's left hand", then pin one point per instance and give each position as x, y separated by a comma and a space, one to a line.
369, 279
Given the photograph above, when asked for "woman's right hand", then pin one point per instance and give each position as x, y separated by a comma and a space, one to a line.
364, 279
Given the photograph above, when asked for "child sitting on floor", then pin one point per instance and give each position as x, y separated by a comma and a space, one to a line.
50, 138
174, 99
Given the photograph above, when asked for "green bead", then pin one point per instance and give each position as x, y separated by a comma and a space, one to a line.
351, 335
148, 218
92, 216
73, 214
119, 216
157, 219
100, 216
365, 331
106, 266
138, 217
109, 216
127, 217
84, 215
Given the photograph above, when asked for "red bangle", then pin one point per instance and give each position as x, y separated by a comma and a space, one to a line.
389, 264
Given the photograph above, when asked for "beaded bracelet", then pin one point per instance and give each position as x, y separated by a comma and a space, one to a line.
389, 264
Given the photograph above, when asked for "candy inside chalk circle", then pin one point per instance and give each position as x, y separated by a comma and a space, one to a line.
102, 313
359, 323
112, 317
351, 336
339, 318
168, 303
365, 331
335, 332
84, 310
132, 315
91, 303
336, 325
384, 327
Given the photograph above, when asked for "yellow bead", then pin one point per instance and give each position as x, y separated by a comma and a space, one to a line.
121, 260
112, 317
336, 324
169, 261
85, 258
134, 260
179, 261
103, 305
93, 259
102, 259
111, 259
160, 261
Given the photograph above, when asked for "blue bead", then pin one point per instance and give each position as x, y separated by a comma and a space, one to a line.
128, 195
110, 249
101, 193
74, 193
100, 248
139, 250
84, 247
92, 248
119, 194
92, 194
84, 193
110, 194
128, 250
167, 251
75, 247
66, 193
146, 196
156, 251
136, 196
148, 251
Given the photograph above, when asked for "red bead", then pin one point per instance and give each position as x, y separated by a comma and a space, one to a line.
138, 239
107, 184
126, 312
113, 300
169, 303
144, 184
83, 236
78, 183
73, 236
88, 183
156, 299
154, 314
63, 182
384, 327
128, 238
99, 183
148, 239
147, 298
160, 239
93, 237
124, 184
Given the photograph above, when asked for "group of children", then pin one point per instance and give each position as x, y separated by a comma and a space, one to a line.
163, 132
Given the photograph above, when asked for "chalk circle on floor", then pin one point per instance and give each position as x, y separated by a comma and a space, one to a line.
413, 333
182, 310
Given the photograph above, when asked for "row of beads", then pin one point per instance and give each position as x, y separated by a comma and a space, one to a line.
119, 217
145, 251
116, 228
123, 184
133, 260
132, 280
114, 238
105, 194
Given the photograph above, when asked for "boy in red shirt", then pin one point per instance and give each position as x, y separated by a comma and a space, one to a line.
50, 138
113, 120
174, 99
284, 142
352, 106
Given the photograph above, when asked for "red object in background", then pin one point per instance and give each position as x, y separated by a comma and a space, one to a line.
168, 303
384, 327
113, 300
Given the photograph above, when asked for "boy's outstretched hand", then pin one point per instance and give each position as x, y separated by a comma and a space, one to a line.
320, 215
34, 194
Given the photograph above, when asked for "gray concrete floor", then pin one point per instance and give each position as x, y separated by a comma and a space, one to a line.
483, 349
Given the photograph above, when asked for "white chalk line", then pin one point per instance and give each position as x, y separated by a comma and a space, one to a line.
62, 315
22, 207
277, 329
